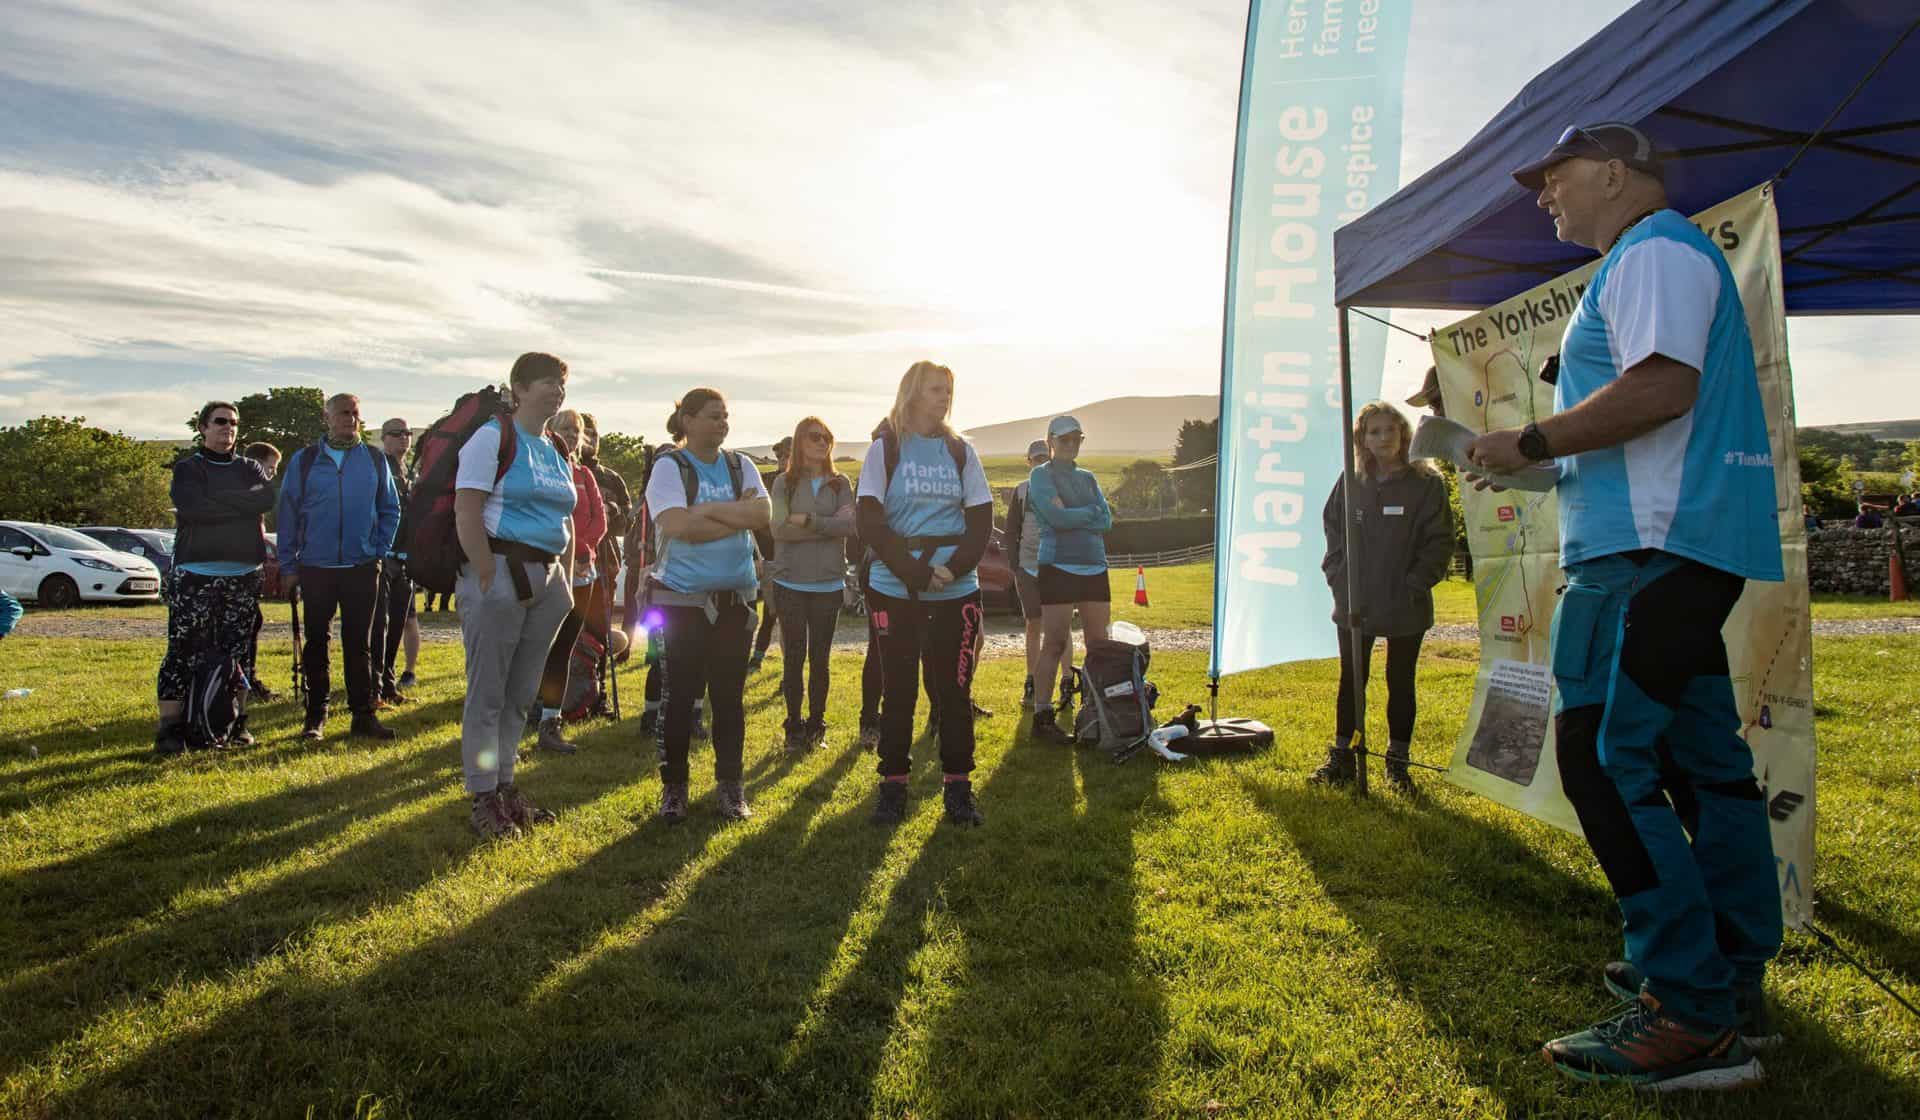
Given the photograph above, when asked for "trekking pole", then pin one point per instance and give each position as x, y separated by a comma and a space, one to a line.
299, 681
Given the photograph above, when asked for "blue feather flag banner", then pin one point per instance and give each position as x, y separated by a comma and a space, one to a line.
1318, 145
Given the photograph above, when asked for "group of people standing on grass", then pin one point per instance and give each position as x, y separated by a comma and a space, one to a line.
537, 520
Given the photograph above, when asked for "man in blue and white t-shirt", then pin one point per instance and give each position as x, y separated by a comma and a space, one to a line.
1667, 507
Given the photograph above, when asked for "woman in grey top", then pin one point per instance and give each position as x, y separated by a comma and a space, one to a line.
1402, 541
812, 519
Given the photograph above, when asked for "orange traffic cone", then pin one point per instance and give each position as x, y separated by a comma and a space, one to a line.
1140, 586
1896, 579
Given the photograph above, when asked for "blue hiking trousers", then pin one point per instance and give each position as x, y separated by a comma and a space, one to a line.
1652, 761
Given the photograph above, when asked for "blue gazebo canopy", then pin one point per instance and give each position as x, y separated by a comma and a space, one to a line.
1732, 92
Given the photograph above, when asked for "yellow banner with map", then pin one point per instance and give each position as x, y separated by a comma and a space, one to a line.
1488, 365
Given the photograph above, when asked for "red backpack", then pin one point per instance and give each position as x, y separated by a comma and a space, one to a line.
434, 554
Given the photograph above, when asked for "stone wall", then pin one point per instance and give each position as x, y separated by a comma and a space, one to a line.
1854, 561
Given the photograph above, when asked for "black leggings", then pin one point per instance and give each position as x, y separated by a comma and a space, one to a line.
704, 657
769, 616
938, 634
872, 671
390, 610
807, 619
1403, 654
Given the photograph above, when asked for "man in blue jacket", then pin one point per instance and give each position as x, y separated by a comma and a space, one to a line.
339, 511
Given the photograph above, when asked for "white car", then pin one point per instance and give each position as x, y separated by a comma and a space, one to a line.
61, 568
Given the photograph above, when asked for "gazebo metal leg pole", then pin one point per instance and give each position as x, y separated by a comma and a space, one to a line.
1357, 656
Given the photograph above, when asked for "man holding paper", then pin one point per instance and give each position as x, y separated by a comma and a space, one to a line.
1667, 507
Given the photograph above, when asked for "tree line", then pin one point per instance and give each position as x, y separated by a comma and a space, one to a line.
62, 470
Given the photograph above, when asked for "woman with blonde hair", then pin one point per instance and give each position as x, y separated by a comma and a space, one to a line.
1402, 541
812, 519
926, 512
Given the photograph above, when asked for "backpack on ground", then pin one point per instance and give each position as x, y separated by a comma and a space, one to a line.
214, 689
1116, 699
433, 547
583, 697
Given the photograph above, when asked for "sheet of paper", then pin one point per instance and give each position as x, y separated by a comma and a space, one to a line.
1440, 438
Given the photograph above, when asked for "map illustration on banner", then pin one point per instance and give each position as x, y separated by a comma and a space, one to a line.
1489, 365
1318, 145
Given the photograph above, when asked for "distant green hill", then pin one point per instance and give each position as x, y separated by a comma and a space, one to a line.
1901, 430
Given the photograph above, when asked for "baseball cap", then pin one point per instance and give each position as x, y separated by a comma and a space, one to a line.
1038, 450
1429, 390
1062, 425
395, 427
1603, 141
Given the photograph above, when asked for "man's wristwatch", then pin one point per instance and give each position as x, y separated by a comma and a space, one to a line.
1534, 445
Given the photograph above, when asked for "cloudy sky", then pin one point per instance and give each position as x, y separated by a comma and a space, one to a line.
788, 200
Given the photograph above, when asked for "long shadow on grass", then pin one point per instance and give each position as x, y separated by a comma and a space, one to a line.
1502, 950
1002, 968
216, 939
1051, 1012
520, 1011
1898, 948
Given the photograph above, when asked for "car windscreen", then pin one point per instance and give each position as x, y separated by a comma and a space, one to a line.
55, 537
154, 539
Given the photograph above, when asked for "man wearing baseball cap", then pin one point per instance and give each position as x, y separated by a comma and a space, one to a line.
1667, 508
1074, 518
1429, 394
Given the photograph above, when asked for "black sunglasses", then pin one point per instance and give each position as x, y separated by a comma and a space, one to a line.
223, 421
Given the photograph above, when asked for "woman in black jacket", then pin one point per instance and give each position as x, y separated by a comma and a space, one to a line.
219, 499
1402, 541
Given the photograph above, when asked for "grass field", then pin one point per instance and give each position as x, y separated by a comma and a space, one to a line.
311, 930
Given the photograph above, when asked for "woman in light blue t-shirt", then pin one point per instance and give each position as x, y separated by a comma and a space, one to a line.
925, 511
516, 587
705, 503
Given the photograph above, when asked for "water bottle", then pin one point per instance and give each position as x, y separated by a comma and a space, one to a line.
17, 693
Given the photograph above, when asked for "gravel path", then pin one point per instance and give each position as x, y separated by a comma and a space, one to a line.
1003, 640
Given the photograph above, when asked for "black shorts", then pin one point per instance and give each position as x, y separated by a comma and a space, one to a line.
1059, 588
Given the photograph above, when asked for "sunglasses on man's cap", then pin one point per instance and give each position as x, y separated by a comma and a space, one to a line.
1609, 140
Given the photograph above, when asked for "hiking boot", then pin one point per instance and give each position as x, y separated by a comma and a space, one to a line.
673, 802
315, 724
890, 806
1649, 1050
796, 736
980, 712
394, 696
262, 693
489, 817
816, 731
171, 739
1026, 696
523, 813
650, 724
1337, 770
367, 726
1047, 729
1756, 1028
733, 801
1069, 690
1398, 775
961, 809
869, 736
408, 680
238, 735
551, 740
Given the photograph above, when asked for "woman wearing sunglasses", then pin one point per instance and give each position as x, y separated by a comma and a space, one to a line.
219, 499
812, 519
